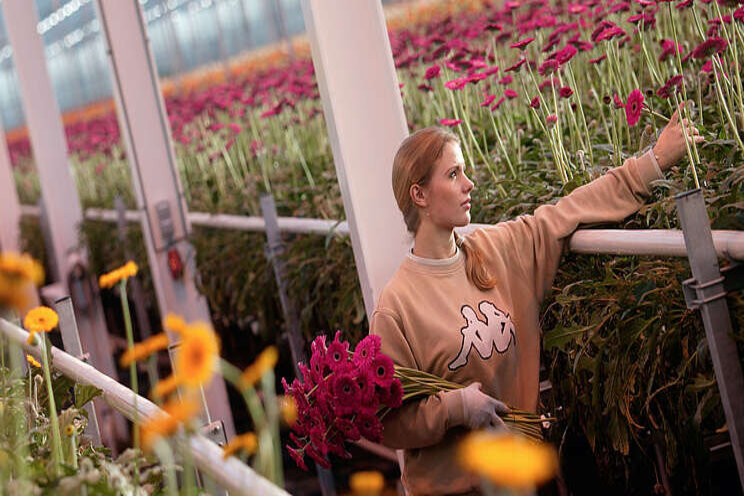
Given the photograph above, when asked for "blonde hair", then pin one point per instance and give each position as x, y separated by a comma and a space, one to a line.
413, 164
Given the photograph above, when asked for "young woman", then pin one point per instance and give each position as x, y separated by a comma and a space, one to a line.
466, 308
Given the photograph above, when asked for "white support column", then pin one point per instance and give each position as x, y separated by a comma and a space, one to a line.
146, 133
10, 208
46, 132
58, 193
366, 124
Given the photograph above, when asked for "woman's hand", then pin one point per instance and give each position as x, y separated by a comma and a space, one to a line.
481, 410
671, 144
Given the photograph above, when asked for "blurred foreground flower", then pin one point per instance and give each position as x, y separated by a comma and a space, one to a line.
508, 460
175, 413
110, 279
366, 483
18, 276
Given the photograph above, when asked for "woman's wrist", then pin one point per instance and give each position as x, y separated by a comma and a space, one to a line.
659, 160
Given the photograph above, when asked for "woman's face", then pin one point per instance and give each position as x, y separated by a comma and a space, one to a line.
448, 193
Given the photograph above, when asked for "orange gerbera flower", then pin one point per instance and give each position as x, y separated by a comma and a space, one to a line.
110, 279
40, 319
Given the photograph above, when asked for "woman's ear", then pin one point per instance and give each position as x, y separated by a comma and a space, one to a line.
418, 195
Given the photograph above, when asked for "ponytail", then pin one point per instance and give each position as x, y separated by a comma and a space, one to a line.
475, 264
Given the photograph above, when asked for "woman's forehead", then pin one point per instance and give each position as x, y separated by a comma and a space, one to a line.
451, 156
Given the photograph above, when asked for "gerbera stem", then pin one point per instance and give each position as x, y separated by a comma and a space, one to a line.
132, 370
163, 451
56, 438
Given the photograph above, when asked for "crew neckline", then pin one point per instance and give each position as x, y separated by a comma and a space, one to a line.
435, 262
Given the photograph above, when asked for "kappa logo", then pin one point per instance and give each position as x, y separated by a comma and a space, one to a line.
496, 332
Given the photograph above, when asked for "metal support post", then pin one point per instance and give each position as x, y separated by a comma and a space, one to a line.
274, 249
709, 295
145, 131
71, 341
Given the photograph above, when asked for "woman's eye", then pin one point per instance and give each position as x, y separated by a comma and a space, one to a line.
453, 174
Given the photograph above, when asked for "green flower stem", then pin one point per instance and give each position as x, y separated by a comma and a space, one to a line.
56, 437
232, 374
687, 145
724, 104
163, 451
132, 371
677, 57
572, 78
272, 412
73, 450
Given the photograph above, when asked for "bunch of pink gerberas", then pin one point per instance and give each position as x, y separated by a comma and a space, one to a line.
340, 397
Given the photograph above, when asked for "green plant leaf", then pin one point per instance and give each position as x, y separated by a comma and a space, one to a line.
84, 394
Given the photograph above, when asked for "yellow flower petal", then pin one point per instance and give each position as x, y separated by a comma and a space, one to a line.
165, 387
366, 483
508, 460
41, 319
174, 323
265, 361
110, 279
246, 442
144, 349
197, 355
175, 413
33, 361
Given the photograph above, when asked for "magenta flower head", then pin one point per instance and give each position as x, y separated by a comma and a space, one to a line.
369, 427
297, 456
633, 107
566, 54
619, 103
347, 429
383, 370
510, 94
683, 4
535, 103
432, 72
450, 122
456, 84
548, 67
337, 353
367, 350
565, 92
516, 66
739, 14
598, 59
551, 120
669, 49
709, 47
522, 43
506, 80
498, 103
488, 101
346, 391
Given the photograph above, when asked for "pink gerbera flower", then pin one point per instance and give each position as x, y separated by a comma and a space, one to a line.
709, 47
510, 93
565, 92
522, 43
450, 122
633, 106
516, 66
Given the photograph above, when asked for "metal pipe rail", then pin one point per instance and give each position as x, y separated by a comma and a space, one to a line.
648, 242
233, 475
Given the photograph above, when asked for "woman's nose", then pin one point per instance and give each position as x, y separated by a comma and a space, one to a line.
469, 185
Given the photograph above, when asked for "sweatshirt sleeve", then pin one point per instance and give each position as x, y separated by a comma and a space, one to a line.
417, 423
538, 240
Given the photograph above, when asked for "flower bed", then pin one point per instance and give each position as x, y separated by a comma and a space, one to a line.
544, 98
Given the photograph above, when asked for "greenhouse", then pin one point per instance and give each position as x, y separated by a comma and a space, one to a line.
371, 247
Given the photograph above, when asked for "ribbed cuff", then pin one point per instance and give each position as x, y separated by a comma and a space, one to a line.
453, 404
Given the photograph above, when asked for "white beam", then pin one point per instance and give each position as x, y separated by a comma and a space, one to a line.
146, 133
10, 208
366, 124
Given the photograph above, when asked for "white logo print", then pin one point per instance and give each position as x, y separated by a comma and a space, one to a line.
496, 332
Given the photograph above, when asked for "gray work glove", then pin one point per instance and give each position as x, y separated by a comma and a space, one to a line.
473, 408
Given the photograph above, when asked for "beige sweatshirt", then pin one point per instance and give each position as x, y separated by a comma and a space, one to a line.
430, 317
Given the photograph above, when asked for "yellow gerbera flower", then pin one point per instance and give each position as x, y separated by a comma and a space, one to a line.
175, 413
196, 359
288, 407
40, 319
144, 349
246, 442
174, 323
69, 430
31, 360
15, 266
110, 279
265, 361
366, 483
508, 460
